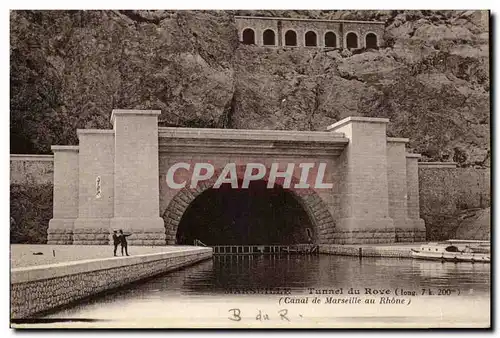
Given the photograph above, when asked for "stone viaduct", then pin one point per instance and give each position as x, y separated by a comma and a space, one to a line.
116, 179
286, 32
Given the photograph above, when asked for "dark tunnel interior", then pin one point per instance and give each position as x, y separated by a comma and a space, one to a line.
256, 215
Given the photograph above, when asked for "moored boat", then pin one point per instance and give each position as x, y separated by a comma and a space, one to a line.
454, 251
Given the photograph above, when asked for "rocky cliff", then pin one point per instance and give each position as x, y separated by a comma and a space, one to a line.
69, 69
475, 225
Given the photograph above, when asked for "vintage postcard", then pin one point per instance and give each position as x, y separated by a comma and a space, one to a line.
250, 169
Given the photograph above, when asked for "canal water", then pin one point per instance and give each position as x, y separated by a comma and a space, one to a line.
298, 291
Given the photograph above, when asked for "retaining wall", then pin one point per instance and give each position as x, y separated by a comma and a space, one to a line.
35, 290
395, 251
31, 169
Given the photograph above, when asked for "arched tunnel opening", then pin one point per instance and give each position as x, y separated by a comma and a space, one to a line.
256, 215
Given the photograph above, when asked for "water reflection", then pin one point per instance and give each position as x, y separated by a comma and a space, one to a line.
211, 280
454, 275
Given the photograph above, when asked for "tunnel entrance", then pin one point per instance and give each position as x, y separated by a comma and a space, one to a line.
256, 215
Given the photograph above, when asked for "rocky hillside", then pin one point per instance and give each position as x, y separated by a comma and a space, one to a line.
69, 69
475, 225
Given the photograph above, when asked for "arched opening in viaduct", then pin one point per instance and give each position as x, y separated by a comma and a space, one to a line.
311, 39
290, 38
256, 215
330, 39
352, 40
269, 37
371, 41
248, 36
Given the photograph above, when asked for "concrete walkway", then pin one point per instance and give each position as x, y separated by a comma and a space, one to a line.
41, 283
23, 255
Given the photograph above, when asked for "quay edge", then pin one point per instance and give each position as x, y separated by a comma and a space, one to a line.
38, 289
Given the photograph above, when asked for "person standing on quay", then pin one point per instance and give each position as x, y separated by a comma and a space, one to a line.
123, 241
116, 242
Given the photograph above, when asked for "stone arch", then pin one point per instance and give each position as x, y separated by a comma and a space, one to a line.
352, 40
371, 40
290, 38
311, 39
313, 204
330, 39
269, 38
248, 36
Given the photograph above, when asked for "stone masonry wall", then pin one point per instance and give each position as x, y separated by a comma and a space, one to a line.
31, 169
29, 298
444, 192
362, 30
310, 200
366, 250
364, 208
320, 28
65, 195
281, 25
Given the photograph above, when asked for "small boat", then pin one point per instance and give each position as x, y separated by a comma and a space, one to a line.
474, 245
453, 251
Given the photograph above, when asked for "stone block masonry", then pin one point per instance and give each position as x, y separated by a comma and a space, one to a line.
31, 169
38, 289
367, 250
136, 179
364, 209
66, 198
309, 33
95, 186
115, 179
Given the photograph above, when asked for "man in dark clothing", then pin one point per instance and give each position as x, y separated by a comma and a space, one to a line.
123, 241
116, 242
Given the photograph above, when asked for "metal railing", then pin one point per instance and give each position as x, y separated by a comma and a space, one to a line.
265, 249
197, 242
